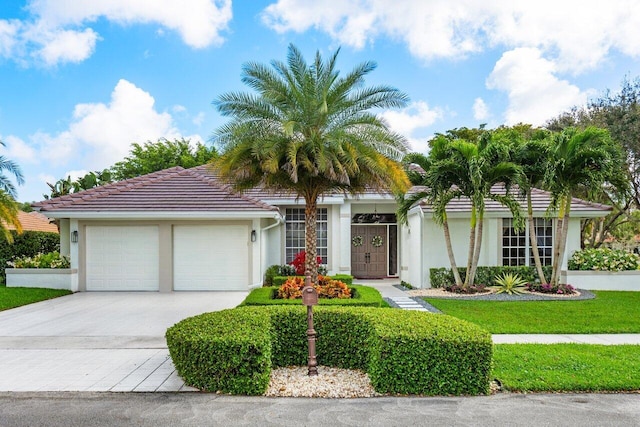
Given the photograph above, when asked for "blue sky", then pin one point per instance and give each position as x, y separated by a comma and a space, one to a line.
82, 80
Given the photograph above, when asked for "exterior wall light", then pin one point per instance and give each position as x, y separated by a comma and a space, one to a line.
254, 235
74, 236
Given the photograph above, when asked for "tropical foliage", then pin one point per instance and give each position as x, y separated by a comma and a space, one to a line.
8, 206
163, 154
604, 259
307, 130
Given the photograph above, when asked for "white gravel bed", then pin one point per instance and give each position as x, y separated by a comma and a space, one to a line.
330, 382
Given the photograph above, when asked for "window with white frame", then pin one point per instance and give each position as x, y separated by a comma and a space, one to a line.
294, 233
516, 247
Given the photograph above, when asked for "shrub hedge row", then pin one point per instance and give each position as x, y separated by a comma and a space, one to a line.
344, 278
440, 277
27, 244
404, 352
363, 296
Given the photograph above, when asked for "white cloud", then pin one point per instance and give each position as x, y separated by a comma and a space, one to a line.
58, 31
199, 22
417, 115
101, 134
579, 34
480, 109
407, 121
67, 46
199, 118
535, 93
17, 150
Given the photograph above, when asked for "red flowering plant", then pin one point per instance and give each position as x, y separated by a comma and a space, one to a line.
299, 260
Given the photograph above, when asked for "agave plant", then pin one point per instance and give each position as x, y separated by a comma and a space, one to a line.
509, 283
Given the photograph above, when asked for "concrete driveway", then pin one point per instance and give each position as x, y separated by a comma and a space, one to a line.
98, 341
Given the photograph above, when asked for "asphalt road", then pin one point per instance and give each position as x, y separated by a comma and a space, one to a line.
200, 409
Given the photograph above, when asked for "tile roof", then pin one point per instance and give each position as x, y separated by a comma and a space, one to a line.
540, 200
34, 221
170, 190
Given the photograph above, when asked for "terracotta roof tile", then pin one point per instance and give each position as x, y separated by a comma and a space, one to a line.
34, 221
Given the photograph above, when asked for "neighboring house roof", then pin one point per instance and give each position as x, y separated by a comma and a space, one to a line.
170, 190
540, 200
33, 221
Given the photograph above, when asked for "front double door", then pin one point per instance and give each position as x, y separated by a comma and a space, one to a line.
369, 251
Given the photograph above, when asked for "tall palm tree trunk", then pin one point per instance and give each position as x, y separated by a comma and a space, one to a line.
534, 241
311, 239
452, 258
476, 250
472, 246
561, 239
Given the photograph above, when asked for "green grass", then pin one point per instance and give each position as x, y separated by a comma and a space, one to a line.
16, 297
610, 312
567, 367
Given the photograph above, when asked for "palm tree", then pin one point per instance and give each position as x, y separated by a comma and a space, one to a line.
427, 187
8, 206
579, 161
530, 151
455, 168
309, 131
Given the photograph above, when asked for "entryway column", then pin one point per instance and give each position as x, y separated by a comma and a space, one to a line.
345, 238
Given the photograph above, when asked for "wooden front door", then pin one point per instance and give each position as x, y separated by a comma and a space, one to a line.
369, 259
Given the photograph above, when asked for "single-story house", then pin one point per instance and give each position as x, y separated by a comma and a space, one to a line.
181, 229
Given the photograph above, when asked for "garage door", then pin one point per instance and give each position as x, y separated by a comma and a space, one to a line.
122, 258
210, 257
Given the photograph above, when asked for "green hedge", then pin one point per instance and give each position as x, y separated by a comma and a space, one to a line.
363, 296
344, 278
404, 352
604, 259
440, 277
27, 244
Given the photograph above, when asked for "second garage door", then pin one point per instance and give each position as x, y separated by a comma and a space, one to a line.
210, 257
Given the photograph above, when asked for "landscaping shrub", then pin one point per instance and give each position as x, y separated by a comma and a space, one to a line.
363, 296
345, 278
404, 352
299, 260
604, 259
326, 288
277, 270
228, 351
28, 243
442, 277
48, 260
548, 288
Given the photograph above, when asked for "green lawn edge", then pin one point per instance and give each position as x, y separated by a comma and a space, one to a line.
567, 367
610, 312
19, 296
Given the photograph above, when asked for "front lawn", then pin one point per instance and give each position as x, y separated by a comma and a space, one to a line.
16, 297
609, 313
567, 367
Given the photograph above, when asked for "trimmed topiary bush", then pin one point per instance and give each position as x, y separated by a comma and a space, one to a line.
363, 296
404, 352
